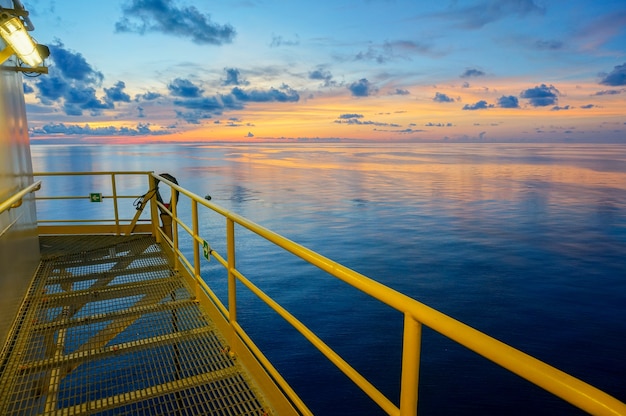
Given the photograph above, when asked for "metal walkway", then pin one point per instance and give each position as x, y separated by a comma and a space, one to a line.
108, 327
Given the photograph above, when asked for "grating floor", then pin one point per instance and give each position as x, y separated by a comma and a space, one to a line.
109, 328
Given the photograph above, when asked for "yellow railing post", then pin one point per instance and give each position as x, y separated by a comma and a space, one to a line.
154, 211
116, 213
174, 202
232, 281
196, 246
411, 346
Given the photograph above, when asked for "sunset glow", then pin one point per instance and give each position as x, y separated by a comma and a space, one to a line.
479, 70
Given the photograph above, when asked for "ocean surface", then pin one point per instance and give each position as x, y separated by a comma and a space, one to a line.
526, 242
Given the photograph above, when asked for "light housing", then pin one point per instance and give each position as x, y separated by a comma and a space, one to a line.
14, 33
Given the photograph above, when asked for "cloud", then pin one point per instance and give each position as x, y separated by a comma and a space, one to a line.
71, 84
410, 130
203, 107
362, 88
472, 72
234, 121
478, 14
72, 66
141, 16
148, 96
284, 94
351, 118
350, 115
184, 88
374, 54
232, 77
587, 106
357, 121
408, 46
78, 90
616, 77
399, 91
142, 129
598, 31
508, 102
551, 45
609, 92
557, 108
389, 51
249, 134
322, 75
480, 105
541, 96
192, 117
77, 100
211, 104
442, 98
438, 124
51, 88
278, 41
116, 93
27, 88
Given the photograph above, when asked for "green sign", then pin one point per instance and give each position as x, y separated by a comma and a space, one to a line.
206, 250
95, 197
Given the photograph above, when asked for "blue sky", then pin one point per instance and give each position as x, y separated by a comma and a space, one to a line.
480, 70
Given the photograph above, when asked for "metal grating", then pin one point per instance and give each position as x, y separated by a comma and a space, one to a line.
109, 328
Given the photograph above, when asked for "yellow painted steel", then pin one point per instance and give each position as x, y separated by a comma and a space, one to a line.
154, 211
232, 282
174, 214
551, 379
117, 224
321, 346
115, 208
409, 380
15, 200
415, 313
196, 248
98, 173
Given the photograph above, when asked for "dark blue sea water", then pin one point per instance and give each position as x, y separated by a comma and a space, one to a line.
525, 242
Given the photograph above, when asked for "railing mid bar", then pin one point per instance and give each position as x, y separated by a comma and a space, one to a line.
122, 221
43, 198
99, 173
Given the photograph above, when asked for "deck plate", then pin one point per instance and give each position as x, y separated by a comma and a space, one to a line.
108, 327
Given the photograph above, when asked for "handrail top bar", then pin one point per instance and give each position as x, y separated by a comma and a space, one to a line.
87, 173
16, 198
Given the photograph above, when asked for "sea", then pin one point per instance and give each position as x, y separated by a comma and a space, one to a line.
525, 242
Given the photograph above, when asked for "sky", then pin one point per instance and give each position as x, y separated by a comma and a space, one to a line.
384, 70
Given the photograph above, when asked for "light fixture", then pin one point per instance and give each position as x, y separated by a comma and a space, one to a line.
18, 40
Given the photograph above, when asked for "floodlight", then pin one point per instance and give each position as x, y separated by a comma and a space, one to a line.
14, 33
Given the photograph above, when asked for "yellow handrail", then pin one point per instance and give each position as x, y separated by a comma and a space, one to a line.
416, 314
557, 382
116, 222
99, 173
15, 200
